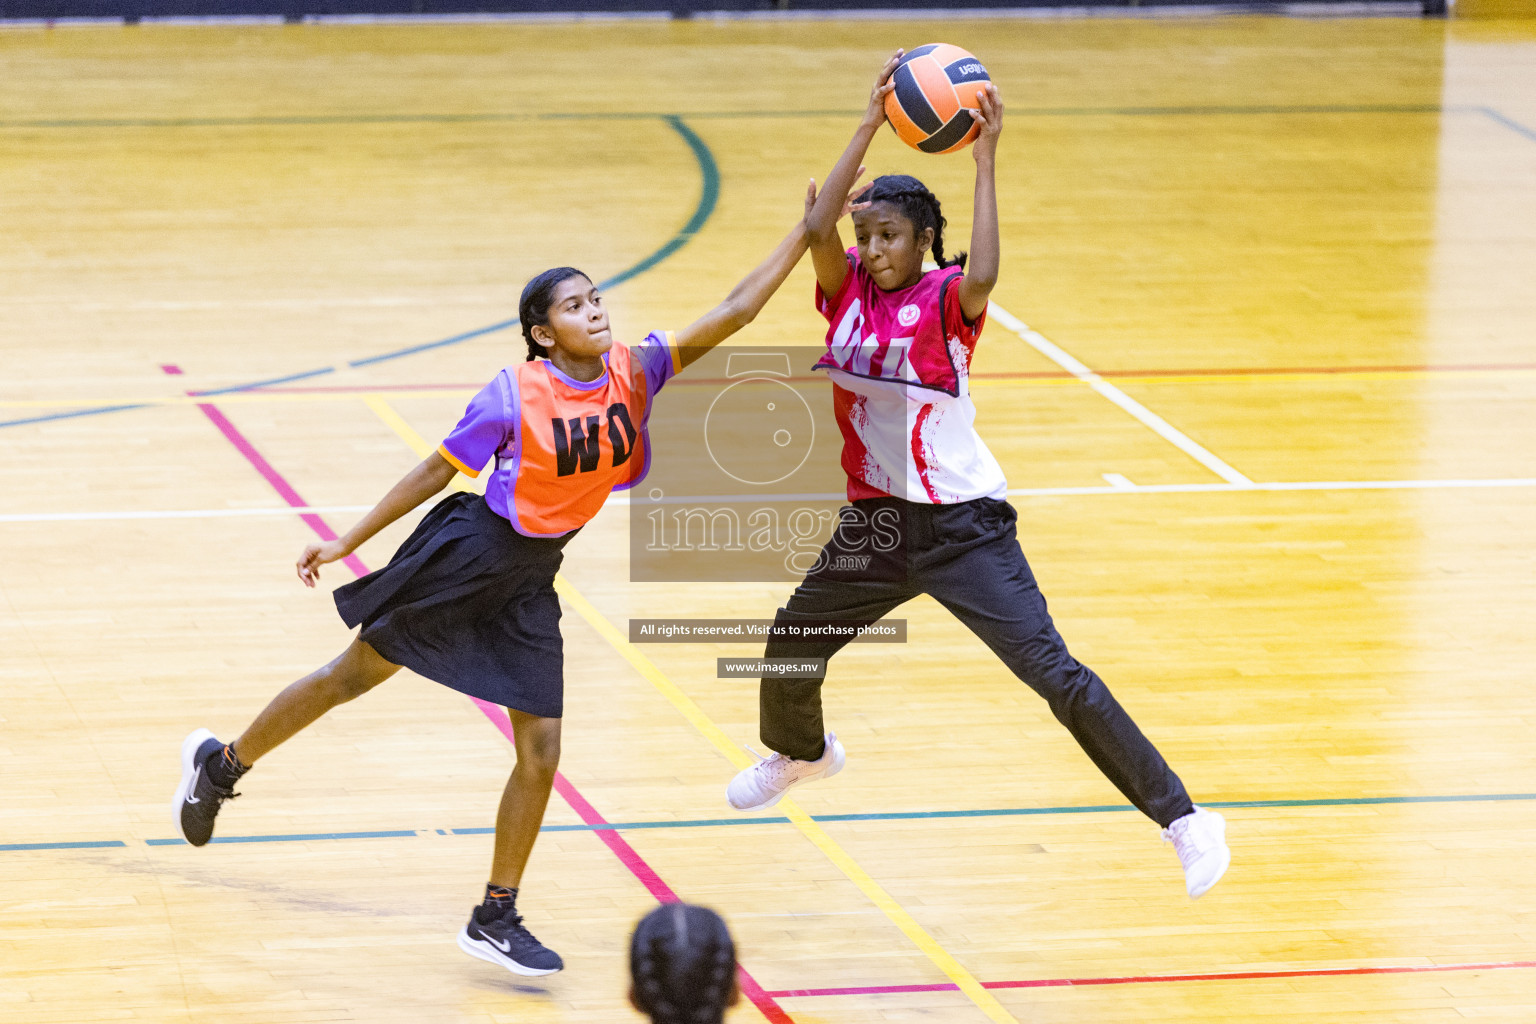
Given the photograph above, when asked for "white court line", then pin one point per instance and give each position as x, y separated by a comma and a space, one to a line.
1013, 492
1286, 485
1064, 359
191, 513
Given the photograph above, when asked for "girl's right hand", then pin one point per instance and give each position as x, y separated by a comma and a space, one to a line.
874, 117
316, 555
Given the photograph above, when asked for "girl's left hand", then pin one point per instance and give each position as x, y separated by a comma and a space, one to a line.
990, 117
849, 204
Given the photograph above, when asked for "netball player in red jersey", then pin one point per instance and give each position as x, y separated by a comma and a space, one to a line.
899, 346
469, 599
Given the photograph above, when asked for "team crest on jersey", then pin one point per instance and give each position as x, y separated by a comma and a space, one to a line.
908, 315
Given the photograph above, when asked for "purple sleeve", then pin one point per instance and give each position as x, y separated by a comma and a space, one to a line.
487, 423
659, 358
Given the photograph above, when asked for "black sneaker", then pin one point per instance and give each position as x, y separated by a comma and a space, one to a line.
197, 797
502, 939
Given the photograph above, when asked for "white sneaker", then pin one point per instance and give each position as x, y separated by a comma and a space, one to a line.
765, 783
1200, 839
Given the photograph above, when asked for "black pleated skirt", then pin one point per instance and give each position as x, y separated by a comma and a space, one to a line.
469, 602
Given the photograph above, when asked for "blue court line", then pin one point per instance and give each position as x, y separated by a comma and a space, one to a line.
91, 845
295, 837
413, 349
985, 812
95, 410
1512, 125
707, 167
709, 196
262, 383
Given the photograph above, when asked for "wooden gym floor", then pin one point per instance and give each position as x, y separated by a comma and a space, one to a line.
1283, 503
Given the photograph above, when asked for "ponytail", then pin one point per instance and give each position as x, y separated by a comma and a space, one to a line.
918, 205
683, 964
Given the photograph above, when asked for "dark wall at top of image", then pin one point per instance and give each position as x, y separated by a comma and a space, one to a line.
297, 9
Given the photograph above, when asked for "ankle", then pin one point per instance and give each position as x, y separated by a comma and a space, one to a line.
500, 898
225, 768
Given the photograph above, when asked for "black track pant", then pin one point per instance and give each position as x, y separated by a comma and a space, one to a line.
887, 551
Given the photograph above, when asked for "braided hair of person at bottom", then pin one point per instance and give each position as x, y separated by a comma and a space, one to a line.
683, 963
533, 307
918, 205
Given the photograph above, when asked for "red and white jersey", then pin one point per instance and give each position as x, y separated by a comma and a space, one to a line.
900, 367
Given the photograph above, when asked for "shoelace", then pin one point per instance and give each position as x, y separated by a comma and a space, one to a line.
776, 763
517, 935
1184, 840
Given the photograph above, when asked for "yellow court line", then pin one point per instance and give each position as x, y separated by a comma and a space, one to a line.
808, 827
942, 959
386, 412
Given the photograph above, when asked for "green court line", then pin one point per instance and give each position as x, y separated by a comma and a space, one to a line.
986, 812
494, 117
709, 172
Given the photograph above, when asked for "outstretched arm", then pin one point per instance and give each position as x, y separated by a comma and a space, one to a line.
981, 274
821, 223
745, 301
431, 476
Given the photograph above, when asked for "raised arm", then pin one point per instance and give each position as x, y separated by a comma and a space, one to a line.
827, 250
981, 274
745, 301
429, 477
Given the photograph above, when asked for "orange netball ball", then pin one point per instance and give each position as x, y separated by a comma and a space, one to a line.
936, 88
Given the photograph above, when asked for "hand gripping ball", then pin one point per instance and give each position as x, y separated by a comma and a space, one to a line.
936, 88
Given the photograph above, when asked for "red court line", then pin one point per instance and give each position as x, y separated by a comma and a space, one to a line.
1207, 371
589, 815
275, 478
1147, 979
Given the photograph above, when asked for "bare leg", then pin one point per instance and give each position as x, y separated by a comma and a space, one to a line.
523, 801
356, 671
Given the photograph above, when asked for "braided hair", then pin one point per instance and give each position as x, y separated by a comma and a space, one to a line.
533, 307
683, 964
918, 205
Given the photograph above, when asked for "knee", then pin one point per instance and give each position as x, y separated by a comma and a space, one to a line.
539, 754
1050, 670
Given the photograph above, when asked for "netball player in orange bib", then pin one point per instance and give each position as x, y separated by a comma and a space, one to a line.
469, 599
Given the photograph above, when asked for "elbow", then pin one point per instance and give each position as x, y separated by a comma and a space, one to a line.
981, 283
818, 230
738, 313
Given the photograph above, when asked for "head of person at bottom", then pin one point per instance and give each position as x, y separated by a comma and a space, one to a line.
896, 223
563, 318
682, 966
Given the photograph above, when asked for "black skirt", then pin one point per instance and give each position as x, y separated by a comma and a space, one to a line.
469, 602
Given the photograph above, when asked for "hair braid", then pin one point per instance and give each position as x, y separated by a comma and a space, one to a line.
682, 962
918, 205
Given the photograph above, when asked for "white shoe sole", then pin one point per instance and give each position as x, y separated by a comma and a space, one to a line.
482, 950
195, 739
839, 758
1226, 858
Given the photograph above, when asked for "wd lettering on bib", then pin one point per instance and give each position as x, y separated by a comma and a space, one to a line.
562, 445
578, 443
582, 446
